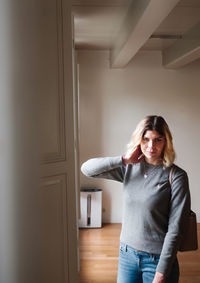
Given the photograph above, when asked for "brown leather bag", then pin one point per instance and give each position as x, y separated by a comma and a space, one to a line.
189, 241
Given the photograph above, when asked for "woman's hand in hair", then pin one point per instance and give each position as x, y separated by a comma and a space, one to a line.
135, 157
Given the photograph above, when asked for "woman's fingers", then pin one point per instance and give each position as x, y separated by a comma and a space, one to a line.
136, 157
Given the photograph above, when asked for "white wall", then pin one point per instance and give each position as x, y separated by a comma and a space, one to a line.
113, 101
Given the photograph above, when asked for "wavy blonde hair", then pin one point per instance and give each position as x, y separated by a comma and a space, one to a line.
153, 123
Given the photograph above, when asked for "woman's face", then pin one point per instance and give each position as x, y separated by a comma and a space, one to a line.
152, 146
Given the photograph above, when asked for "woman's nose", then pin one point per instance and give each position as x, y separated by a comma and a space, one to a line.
151, 144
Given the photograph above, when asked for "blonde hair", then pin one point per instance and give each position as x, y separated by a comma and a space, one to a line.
153, 123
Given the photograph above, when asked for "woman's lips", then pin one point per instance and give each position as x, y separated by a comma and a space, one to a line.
151, 152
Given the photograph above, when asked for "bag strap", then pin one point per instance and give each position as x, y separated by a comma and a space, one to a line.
170, 174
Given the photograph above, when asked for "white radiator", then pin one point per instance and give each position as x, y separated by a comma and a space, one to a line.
91, 208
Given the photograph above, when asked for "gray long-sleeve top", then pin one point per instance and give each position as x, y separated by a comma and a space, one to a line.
153, 210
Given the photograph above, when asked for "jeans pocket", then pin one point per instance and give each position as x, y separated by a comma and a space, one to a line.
122, 247
126, 249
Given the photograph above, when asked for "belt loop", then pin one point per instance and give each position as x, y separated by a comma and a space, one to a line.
152, 256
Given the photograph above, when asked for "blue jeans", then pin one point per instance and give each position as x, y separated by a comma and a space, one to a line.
137, 266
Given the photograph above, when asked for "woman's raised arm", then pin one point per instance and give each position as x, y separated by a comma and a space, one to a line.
104, 167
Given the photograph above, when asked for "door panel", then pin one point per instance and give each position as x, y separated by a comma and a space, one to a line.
52, 94
54, 229
58, 196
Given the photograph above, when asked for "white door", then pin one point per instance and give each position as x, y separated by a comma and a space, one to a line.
58, 197
36, 62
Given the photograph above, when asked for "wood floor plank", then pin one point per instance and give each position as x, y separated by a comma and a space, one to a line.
99, 249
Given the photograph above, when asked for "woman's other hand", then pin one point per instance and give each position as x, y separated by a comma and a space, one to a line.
135, 157
159, 278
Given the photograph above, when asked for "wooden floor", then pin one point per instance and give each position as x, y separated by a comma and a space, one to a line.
99, 250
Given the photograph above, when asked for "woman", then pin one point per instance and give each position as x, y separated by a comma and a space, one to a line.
153, 209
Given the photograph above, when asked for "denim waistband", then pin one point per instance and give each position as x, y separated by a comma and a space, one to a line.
139, 252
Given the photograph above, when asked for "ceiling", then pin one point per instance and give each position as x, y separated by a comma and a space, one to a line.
125, 26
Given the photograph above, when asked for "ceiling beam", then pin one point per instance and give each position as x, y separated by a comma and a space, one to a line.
184, 50
142, 18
